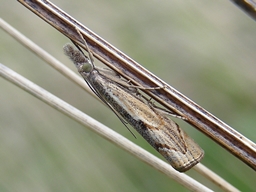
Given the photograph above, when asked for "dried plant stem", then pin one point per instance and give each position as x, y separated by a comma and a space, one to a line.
73, 77
249, 7
211, 126
200, 168
100, 129
44, 56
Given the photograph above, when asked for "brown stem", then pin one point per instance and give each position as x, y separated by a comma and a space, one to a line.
211, 126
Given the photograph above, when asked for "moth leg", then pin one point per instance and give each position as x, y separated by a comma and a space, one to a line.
145, 88
164, 111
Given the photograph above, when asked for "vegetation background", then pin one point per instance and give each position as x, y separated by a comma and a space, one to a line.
205, 49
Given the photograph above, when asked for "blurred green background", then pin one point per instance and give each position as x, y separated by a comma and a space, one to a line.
205, 49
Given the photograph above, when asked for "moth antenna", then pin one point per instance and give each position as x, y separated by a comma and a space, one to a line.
87, 47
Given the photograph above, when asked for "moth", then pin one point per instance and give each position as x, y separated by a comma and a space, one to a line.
155, 127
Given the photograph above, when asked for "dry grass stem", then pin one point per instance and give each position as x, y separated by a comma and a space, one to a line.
170, 98
100, 129
70, 75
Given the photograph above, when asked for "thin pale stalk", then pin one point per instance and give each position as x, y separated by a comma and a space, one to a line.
73, 77
100, 129
195, 115
52, 61
209, 174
